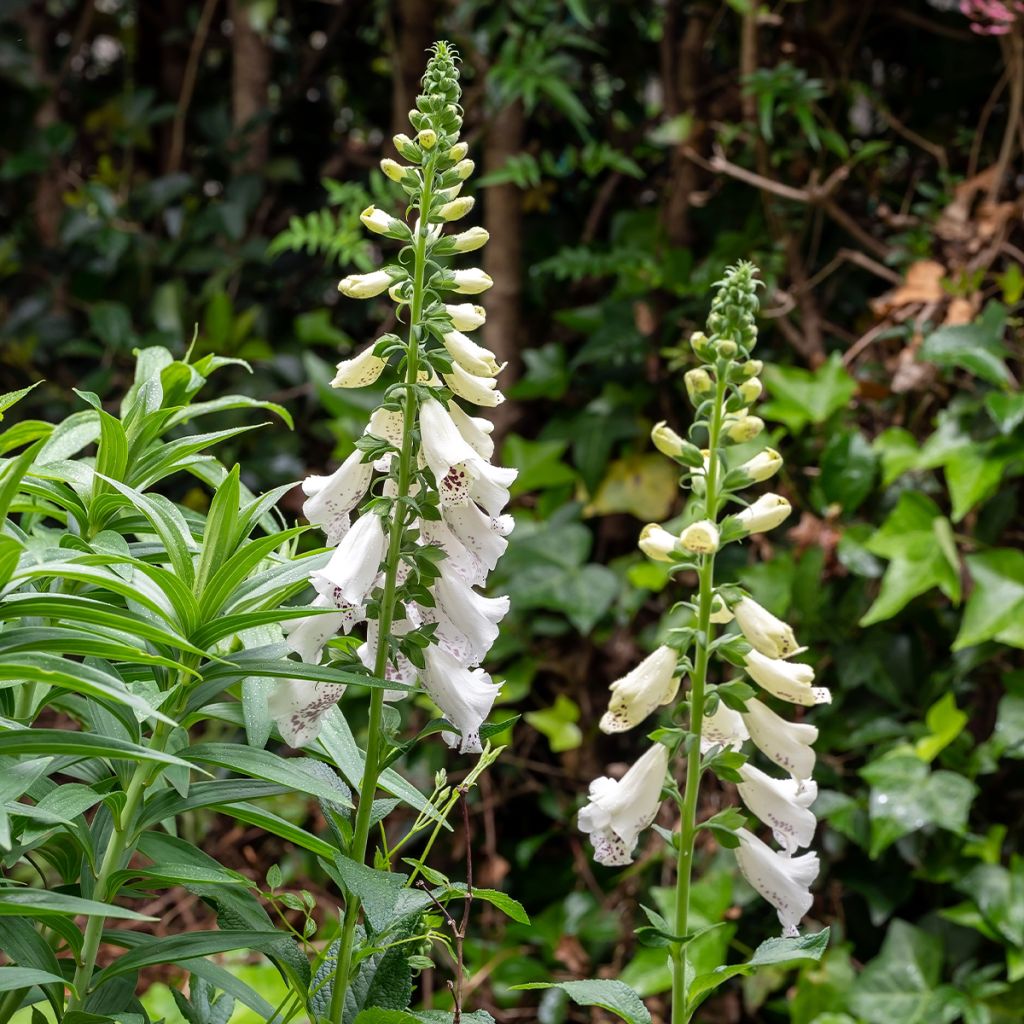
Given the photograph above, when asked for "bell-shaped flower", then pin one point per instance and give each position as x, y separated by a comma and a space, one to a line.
458, 558
397, 669
766, 633
723, 728
330, 499
785, 882
470, 240
468, 620
620, 809
651, 684
393, 169
308, 636
465, 696
769, 511
475, 430
787, 680
657, 543
349, 576
298, 707
366, 286
483, 536
461, 474
782, 804
471, 281
478, 390
386, 424
359, 371
470, 356
788, 744
698, 384
701, 537
465, 316
765, 464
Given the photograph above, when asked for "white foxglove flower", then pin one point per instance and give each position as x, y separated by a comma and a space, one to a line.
387, 424
470, 356
701, 537
765, 514
620, 809
468, 619
461, 474
308, 636
404, 672
750, 390
483, 536
471, 281
330, 499
651, 684
766, 633
698, 384
475, 430
458, 151
471, 239
359, 371
349, 576
764, 465
298, 707
666, 440
393, 169
788, 744
365, 286
458, 558
466, 696
657, 543
465, 316
787, 680
382, 223
785, 882
464, 168
782, 804
456, 209
724, 728
478, 390
743, 428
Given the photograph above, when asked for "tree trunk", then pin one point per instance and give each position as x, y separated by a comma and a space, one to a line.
250, 81
414, 32
503, 256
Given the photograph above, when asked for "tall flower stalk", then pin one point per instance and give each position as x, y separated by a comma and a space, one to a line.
430, 528
717, 717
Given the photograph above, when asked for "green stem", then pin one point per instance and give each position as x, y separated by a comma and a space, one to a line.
113, 860
371, 769
698, 684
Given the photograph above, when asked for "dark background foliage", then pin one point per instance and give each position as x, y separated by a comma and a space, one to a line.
204, 163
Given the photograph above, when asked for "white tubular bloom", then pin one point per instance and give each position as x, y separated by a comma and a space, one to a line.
651, 684
298, 708
349, 576
769, 511
788, 744
762, 466
478, 390
461, 474
473, 619
330, 499
471, 281
465, 316
475, 430
382, 223
307, 636
666, 440
766, 633
386, 423
466, 696
480, 534
359, 371
404, 672
456, 209
744, 428
471, 240
787, 680
785, 882
724, 728
782, 804
657, 543
365, 286
620, 809
393, 169
458, 558
701, 537
464, 168
470, 356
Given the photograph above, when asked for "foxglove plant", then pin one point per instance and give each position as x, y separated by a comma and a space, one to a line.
430, 526
720, 717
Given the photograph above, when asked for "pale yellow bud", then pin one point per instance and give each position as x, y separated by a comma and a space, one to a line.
458, 151
427, 138
698, 383
456, 209
657, 543
701, 537
750, 390
744, 428
393, 169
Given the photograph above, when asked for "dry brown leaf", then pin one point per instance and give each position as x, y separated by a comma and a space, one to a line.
922, 283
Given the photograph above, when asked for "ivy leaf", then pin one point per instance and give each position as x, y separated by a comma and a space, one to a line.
997, 598
973, 473
614, 996
977, 348
847, 470
1006, 409
558, 724
799, 396
945, 721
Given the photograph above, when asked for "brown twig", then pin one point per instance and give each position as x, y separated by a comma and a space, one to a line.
188, 86
986, 113
1013, 50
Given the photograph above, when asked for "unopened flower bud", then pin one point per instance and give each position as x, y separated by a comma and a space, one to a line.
700, 344
393, 169
464, 168
727, 349
744, 428
365, 286
750, 389
383, 223
427, 138
406, 148
666, 440
698, 383
458, 151
456, 209
471, 281
764, 465
769, 511
752, 367
467, 241
701, 537
720, 611
657, 543
465, 316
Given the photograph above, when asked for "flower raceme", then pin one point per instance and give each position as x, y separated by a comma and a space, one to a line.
723, 718
415, 513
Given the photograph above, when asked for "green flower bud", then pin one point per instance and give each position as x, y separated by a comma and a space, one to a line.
752, 367
458, 151
727, 349
393, 169
750, 390
698, 383
427, 138
700, 344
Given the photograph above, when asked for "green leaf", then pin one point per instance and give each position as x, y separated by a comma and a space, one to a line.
997, 596
799, 397
974, 471
558, 724
614, 996
977, 347
1006, 409
278, 826
43, 903
262, 764
13, 978
506, 904
945, 721
79, 745
540, 464
785, 952
847, 470
378, 891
